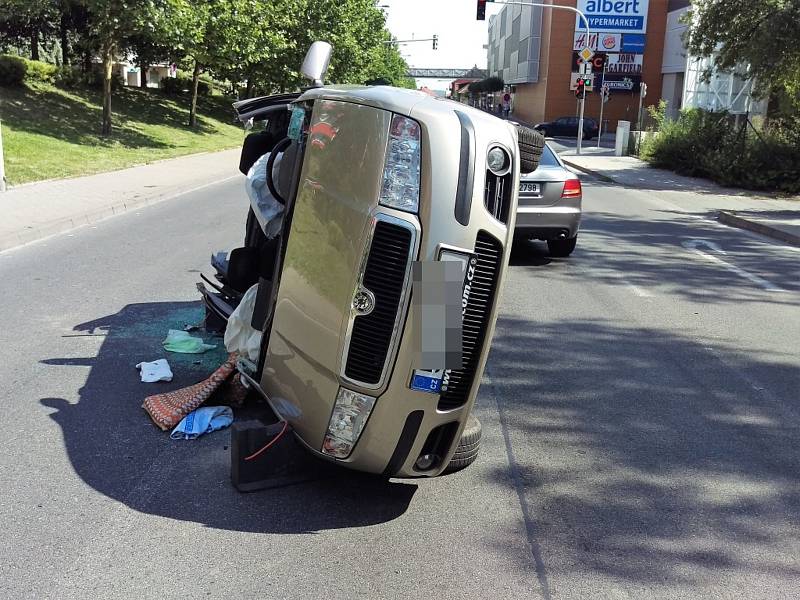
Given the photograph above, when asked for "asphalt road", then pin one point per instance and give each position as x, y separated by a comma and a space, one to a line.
640, 416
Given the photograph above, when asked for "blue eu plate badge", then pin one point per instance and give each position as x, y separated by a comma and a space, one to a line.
427, 381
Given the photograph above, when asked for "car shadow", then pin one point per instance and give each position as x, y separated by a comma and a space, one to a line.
529, 253
115, 448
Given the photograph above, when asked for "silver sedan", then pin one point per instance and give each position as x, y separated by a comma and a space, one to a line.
550, 205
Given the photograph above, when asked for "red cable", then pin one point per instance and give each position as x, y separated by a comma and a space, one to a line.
270, 443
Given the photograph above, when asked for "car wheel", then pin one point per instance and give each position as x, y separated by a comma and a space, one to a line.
531, 145
468, 446
562, 248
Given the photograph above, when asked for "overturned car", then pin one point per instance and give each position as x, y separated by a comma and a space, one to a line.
366, 190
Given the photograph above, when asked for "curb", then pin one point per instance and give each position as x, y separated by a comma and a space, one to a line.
34, 234
732, 219
597, 174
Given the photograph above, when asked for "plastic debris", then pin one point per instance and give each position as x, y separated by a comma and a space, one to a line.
158, 370
181, 341
201, 421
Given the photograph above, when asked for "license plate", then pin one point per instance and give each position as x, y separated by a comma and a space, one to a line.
430, 380
529, 188
427, 381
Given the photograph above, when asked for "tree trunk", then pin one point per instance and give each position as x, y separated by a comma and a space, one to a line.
64, 26
143, 67
35, 44
249, 90
108, 63
87, 61
195, 81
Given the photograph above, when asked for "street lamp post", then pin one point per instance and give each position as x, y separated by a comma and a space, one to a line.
588, 35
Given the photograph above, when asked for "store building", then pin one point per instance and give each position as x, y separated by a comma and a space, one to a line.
534, 51
683, 84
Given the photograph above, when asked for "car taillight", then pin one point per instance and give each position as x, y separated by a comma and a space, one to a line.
572, 188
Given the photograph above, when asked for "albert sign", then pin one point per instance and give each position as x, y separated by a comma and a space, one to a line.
614, 16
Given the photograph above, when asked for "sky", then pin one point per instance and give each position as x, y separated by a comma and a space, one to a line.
461, 36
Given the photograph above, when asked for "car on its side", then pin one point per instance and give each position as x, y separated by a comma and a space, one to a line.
549, 206
568, 126
380, 188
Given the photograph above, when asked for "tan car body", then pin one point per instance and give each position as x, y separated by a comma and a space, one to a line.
334, 215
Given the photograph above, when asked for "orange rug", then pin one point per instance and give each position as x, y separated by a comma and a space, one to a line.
168, 409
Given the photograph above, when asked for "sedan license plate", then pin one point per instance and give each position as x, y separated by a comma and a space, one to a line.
528, 188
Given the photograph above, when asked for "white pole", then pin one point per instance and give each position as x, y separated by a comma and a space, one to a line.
588, 35
2, 163
602, 102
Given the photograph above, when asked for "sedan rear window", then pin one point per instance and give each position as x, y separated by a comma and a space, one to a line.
548, 158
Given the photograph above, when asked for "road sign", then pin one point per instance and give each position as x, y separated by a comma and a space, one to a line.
605, 92
586, 54
586, 68
643, 89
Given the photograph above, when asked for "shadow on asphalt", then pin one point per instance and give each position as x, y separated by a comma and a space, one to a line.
115, 448
650, 254
529, 253
642, 456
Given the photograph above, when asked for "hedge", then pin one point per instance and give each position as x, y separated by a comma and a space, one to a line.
12, 70
707, 144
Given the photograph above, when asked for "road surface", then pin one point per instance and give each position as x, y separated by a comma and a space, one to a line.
640, 416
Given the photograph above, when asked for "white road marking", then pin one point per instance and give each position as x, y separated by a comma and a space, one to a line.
693, 246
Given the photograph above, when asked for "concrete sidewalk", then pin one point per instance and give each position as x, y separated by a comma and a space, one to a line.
37, 210
778, 218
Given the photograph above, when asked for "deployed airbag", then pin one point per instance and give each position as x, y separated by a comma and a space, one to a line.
268, 211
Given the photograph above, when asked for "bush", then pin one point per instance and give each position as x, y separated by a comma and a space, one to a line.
707, 144
69, 77
40, 71
175, 86
94, 78
12, 70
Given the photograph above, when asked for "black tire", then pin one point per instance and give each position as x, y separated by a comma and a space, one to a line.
531, 145
468, 446
562, 248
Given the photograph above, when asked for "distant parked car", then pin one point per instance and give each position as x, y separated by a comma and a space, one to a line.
549, 205
568, 126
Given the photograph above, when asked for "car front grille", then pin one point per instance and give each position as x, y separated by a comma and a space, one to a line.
497, 195
385, 277
483, 289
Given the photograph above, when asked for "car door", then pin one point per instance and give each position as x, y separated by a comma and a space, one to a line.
560, 126
571, 128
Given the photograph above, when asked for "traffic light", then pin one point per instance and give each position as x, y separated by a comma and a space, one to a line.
435, 41
580, 88
481, 10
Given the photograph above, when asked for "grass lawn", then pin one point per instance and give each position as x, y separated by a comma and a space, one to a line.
49, 132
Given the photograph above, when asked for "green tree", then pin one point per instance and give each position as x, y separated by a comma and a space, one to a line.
27, 22
760, 35
387, 64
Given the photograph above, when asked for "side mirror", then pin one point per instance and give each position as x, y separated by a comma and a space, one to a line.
316, 62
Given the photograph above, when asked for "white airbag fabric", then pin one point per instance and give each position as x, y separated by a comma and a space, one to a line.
240, 336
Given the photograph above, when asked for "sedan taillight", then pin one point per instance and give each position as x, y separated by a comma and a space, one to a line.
572, 188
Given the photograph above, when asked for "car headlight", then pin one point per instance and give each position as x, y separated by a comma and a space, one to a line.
498, 161
400, 187
350, 414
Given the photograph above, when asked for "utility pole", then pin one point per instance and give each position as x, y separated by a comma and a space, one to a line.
642, 94
482, 16
603, 100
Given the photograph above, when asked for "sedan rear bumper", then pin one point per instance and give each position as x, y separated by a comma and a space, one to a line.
547, 222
